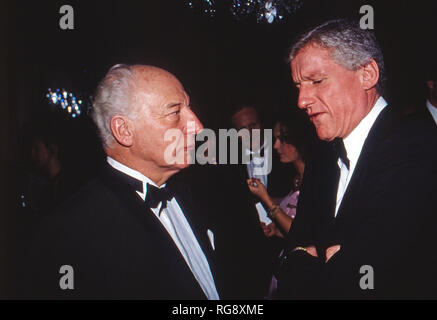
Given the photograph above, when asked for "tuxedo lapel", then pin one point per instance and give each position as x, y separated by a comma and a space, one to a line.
327, 183
122, 185
119, 183
385, 122
334, 228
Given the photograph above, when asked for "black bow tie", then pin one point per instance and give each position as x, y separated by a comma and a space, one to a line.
155, 196
340, 151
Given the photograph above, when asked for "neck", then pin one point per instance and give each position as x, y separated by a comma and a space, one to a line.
371, 99
433, 102
158, 175
300, 167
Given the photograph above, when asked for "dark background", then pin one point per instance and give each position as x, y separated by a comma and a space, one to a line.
218, 60
215, 58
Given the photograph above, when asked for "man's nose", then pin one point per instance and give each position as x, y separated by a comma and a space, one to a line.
305, 98
193, 124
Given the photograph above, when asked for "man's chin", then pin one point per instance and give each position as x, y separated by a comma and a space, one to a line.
324, 135
180, 166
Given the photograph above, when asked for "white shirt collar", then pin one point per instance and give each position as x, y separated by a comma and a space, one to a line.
134, 174
355, 140
432, 109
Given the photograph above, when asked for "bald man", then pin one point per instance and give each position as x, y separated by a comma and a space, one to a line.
128, 234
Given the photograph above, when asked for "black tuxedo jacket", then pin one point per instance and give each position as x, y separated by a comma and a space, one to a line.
387, 219
116, 246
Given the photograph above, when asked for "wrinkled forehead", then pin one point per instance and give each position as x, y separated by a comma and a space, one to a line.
314, 45
312, 60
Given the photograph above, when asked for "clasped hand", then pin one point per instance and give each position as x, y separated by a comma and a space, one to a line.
311, 250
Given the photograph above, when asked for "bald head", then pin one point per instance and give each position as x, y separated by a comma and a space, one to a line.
149, 74
150, 78
135, 109
151, 83
123, 90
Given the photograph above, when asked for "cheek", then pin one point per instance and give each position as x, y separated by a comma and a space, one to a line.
176, 140
291, 152
158, 136
149, 145
336, 101
350, 91
331, 97
174, 147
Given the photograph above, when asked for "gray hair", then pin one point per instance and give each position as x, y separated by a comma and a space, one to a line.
352, 46
113, 97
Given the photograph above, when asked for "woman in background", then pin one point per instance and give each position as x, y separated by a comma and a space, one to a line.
293, 141
294, 137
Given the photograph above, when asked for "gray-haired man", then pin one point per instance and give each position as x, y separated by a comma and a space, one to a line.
126, 234
365, 225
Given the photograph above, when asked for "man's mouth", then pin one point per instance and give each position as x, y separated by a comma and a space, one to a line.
315, 115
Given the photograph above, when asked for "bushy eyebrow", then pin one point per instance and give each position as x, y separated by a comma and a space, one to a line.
315, 75
311, 76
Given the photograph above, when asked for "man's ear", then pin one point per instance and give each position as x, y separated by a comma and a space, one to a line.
121, 129
370, 75
430, 84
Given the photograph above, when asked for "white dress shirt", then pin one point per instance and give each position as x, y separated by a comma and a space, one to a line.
174, 221
353, 144
432, 109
